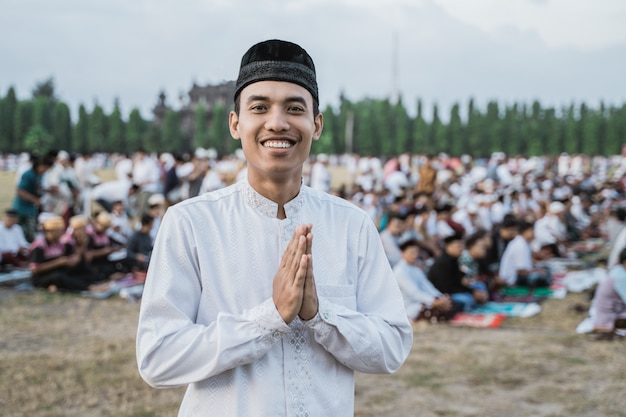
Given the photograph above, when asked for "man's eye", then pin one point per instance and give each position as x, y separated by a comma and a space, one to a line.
295, 109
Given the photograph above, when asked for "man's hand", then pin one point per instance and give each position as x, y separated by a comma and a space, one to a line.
289, 281
309, 300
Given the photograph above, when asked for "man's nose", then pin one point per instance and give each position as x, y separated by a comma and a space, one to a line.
276, 121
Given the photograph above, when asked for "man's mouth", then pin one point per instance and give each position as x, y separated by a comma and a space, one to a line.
278, 144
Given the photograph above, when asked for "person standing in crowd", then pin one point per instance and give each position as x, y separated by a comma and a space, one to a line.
266, 296
27, 201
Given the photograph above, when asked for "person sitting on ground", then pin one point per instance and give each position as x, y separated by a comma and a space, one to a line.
609, 300
447, 277
390, 237
102, 247
13, 244
120, 229
52, 262
517, 266
77, 236
421, 298
550, 231
139, 248
501, 236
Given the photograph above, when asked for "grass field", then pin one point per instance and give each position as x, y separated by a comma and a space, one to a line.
69, 356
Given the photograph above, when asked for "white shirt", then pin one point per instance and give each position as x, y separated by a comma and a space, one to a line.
11, 240
208, 319
416, 289
320, 177
516, 256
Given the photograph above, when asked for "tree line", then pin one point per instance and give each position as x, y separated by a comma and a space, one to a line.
366, 127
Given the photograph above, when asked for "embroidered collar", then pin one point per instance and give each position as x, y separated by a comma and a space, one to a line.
268, 207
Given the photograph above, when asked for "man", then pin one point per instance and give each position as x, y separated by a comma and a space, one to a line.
391, 236
13, 243
421, 298
242, 303
517, 266
447, 276
27, 201
609, 299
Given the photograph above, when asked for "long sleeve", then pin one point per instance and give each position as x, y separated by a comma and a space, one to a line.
373, 336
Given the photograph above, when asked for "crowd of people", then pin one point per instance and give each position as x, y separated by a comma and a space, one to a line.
455, 230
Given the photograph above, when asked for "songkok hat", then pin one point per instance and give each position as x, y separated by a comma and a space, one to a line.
78, 221
104, 219
276, 60
54, 223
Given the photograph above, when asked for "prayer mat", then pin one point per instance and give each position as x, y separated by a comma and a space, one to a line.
508, 309
15, 276
483, 321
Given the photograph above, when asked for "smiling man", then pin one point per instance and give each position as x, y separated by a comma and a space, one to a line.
264, 297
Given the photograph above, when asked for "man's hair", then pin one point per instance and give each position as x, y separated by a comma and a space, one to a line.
146, 219
524, 225
622, 256
475, 237
408, 243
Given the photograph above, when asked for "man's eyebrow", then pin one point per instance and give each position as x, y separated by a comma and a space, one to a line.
293, 99
257, 98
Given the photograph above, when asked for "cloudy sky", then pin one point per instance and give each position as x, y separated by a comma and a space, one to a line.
440, 51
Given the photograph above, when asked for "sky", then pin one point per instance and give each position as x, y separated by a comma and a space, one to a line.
438, 51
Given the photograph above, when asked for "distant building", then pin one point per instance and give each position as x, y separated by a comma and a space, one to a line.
208, 96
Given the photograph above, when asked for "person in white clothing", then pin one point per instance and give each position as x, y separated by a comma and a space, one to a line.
320, 176
264, 297
13, 244
517, 266
421, 298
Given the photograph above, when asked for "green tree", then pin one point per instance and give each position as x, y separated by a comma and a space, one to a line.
116, 132
7, 121
62, 126
454, 132
420, 132
23, 122
45, 89
97, 130
172, 135
38, 140
219, 132
135, 130
80, 138
42, 112
436, 133
201, 128
402, 128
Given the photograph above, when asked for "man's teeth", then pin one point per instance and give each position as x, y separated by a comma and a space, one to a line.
277, 144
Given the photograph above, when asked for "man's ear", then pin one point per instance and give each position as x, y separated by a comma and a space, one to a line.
233, 125
319, 126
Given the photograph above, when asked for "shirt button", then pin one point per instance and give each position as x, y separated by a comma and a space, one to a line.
276, 334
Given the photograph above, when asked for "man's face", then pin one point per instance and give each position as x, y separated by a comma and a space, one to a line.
10, 220
276, 127
455, 248
411, 254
